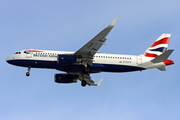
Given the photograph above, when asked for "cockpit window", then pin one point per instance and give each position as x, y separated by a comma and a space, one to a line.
18, 53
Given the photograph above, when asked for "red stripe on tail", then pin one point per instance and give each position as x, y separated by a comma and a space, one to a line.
162, 41
150, 55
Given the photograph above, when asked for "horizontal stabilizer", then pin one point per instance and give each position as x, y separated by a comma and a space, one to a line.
162, 57
162, 68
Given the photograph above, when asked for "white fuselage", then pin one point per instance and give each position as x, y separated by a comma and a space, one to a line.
101, 62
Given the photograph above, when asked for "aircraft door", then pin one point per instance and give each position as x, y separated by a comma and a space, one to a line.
139, 60
29, 54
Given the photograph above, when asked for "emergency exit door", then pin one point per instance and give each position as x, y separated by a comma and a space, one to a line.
139, 60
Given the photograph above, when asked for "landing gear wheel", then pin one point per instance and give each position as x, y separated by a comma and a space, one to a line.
27, 74
83, 83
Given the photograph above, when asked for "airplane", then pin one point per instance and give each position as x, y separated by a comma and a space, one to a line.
80, 64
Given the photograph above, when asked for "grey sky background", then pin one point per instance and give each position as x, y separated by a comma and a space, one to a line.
67, 25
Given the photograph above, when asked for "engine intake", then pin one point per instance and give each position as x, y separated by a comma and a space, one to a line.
64, 78
67, 59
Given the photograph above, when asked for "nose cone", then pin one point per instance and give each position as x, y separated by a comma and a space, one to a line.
9, 59
168, 62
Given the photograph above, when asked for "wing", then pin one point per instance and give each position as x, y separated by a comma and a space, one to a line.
87, 52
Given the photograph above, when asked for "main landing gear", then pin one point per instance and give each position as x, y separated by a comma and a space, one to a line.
28, 73
86, 70
83, 83
85, 75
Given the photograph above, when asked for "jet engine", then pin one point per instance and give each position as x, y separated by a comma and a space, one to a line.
64, 78
67, 59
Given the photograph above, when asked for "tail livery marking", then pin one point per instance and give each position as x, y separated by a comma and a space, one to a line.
161, 49
158, 47
162, 41
168, 62
150, 55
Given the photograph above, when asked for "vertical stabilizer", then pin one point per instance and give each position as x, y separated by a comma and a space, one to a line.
158, 47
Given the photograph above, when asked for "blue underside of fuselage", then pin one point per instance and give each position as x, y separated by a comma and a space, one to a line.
74, 68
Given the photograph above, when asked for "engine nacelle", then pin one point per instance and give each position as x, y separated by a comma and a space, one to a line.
64, 78
67, 59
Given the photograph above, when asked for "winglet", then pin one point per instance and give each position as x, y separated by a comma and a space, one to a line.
98, 83
114, 21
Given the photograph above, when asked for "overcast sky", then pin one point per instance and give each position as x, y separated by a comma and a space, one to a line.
67, 25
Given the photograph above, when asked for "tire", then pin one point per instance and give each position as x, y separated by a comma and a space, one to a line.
83, 83
27, 74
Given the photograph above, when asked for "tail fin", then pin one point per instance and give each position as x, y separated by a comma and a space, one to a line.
158, 47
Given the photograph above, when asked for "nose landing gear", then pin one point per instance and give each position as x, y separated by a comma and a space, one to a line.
28, 73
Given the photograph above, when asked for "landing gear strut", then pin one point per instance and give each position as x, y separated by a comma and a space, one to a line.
28, 73
83, 83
